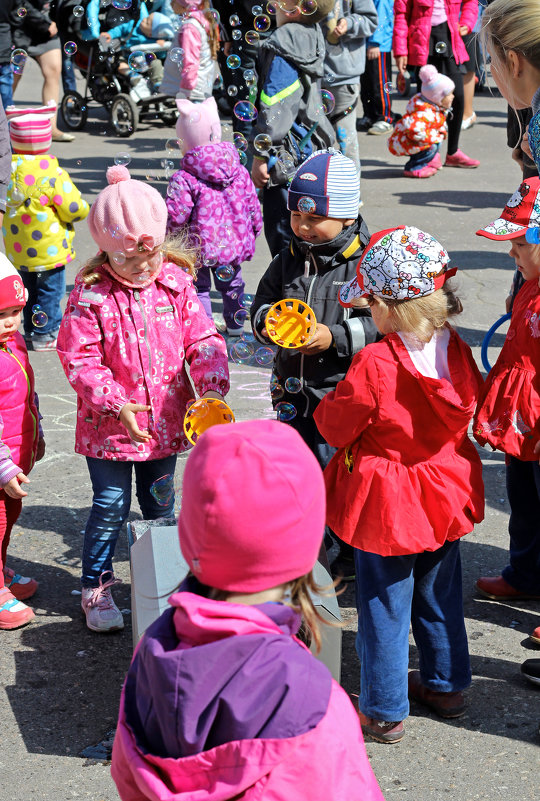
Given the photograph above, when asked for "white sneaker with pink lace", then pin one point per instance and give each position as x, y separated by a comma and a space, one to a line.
97, 603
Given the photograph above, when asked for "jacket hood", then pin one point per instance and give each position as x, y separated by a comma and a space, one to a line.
418, 103
350, 241
301, 45
217, 164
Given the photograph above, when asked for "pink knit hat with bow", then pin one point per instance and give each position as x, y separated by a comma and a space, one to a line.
127, 215
253, 507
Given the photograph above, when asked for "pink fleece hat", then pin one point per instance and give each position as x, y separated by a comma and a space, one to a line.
128, 215
253, 507
198, 123
435, 85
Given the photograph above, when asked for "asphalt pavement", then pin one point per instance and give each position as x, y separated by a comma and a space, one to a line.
62, 682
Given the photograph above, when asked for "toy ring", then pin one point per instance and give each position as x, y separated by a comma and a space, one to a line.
487, 340
203, 414
290, 323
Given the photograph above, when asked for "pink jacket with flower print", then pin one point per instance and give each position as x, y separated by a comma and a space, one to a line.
422, 125
120, 345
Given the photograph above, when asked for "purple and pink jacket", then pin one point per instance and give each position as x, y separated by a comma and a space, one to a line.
19, 417
412, 28
222, 702
213, 195
120, 345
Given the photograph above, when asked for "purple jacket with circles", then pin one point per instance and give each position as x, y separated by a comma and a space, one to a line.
213, 195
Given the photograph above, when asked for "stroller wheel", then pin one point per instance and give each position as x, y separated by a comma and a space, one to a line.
124, 115
74, 111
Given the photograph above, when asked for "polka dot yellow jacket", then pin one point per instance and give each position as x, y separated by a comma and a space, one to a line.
42, 205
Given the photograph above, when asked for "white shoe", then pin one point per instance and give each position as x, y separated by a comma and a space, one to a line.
380, 128
468, 122
97, 603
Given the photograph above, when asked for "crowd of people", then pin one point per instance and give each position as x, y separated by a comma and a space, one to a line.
374, 403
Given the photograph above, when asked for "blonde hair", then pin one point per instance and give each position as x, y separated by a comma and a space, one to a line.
512, 25
422, 316
174, 248
213, 29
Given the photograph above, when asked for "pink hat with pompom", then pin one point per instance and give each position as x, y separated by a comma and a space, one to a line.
127, 215
198, 123
435, 85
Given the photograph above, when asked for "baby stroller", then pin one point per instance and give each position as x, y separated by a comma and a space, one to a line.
126, 101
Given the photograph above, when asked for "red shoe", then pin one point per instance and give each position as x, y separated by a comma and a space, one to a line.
459, 159
381, 730
424, 172
13, 613
446, 705
496, 588
435, 162
535, 636
21, 587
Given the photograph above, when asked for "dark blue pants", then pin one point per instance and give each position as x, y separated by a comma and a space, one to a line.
6, 85
419, 160
523, 487
276, 218
391, 593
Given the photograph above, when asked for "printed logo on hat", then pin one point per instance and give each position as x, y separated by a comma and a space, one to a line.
308, 176
18, 286
306, 205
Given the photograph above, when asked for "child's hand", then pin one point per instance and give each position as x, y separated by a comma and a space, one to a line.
372, 53
40, 453
129, 421
259, 173
319, 342
341, 27
13, 488
463, 30
401, 63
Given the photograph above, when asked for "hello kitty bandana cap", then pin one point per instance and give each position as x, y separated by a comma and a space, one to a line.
522, 211
398, 264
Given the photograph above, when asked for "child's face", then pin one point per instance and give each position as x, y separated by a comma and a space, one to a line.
315, 229
137, 268
179, 7
286, 11
447, 101
527, 257
10, 320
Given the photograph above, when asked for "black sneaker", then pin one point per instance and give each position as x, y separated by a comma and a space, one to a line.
364, 123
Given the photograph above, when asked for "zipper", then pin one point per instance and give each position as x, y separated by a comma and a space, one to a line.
137, 296
36, 426
307, 264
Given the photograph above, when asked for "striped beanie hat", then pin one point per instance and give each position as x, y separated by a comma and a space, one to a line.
326, 184
30, 129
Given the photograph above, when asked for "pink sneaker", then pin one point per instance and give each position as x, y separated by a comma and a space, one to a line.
459, 159
424, 172
436, 162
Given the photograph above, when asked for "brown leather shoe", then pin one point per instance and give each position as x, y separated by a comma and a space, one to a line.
446, 705
381, 730
496, 588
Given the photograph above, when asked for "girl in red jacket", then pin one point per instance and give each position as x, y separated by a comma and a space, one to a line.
406, 482
21, 440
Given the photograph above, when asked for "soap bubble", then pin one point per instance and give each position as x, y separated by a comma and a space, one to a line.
137, 61
232, 90
239, 140
70, 48
285, 411
121, 5
264, 356
242, 157
194, 117
241, 316
174, 146
233, 62
328, 101
122, 159
307, 7
252, 37
241, 352
78, 11
256, 10
119, 258
389, 88
21, 12
293, 385
249, 77
15, 197
246, 301
236, 34
262, 142
271, 7
234, 21
276, 390
39, 318
225, 272
162, 490
261, 23
18, 60
176, 54
286, 163
440, 48
215, 14
245, 111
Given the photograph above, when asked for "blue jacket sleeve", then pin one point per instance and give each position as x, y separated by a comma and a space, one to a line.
94, 29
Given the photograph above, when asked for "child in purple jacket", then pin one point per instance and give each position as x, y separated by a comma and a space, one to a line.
213, 196
222, 701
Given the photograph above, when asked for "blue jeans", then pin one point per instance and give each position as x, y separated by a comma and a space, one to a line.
46, 290
6, 85
230, 291
391, 592
111, 485
419, 160
523, 487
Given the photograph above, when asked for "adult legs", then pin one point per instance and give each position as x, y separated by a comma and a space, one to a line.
375, 100
523, 487
6, 85
343, 118
276, 218
51, 68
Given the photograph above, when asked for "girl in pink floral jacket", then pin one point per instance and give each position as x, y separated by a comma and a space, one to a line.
132, 322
